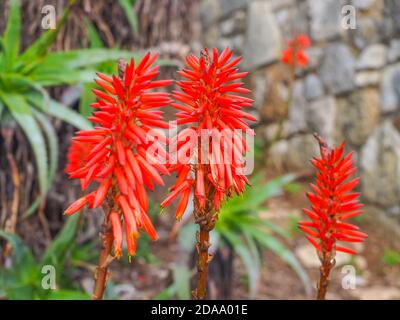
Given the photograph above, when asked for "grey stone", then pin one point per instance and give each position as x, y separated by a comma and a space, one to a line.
238, 42
372, 57
227, 27
394, 51
211, 37
228, 6
279, 4
390, 88
337, 69
292, 154
367, 78
263, 38
358, 116
277, 155
260, 89
380, 164
224, 43
325, 19
315, 55
273, 130
393, 7
293, 18
301, 149
320, 117
298, 109
234, 24
313, 87
209, 11
363, 4
234, 42
366, 32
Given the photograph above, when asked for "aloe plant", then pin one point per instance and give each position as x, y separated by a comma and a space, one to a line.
241, 227
24, 279
24, 78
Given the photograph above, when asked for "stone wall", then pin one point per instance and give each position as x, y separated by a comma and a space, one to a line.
350, 90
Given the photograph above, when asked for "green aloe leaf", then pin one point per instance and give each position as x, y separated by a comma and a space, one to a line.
81, 58
65, 240
12, 33
273, 244
59, 111
129, 10
93, 36
21, 111
51, 136
24, 272
52, 77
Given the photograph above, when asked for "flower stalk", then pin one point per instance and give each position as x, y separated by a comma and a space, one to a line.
101, 274
211, 107
206, 217
333, 202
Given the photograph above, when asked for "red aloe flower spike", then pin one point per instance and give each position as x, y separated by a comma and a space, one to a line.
209, 101
294, 54
115, 154
332, 202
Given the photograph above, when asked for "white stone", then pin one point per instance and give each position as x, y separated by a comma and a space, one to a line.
372, 57
367, 78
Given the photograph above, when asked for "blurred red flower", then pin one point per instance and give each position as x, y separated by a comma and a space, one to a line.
333, 202
294, 54
114, 153
209, 101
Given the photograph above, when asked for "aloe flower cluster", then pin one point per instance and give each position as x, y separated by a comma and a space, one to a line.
333, 202
114, 155
294, 55
210, 106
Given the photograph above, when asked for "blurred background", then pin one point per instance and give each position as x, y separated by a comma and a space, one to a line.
349, 90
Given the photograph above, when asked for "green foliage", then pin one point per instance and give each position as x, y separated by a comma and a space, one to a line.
241, 226
391, 257
23, 78
128, 7
24, 279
